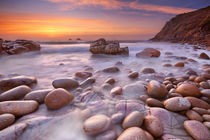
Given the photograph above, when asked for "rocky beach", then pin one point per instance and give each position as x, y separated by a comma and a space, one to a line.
109, 90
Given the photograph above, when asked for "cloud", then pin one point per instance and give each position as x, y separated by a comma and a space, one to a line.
119, 5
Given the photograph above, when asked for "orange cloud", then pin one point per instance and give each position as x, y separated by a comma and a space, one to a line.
115, 4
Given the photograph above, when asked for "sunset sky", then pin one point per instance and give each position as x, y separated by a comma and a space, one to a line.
89, 19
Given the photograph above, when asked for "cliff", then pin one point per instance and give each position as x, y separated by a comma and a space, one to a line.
192, 28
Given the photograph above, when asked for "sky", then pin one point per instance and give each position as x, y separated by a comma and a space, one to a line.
60, 20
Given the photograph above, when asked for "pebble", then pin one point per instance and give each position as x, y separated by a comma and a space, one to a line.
111, 70
153, 125
135, 118
133, 133
83, 75
133, 75
96, 124
18, 108
201, 111
116, 91
66, 83
147, 70
205, 93
192, 115
15, 93
197, 130
87, 82
177, 104
154, 103
58, 98
6, 120
207, 124
195, 102
187, 89
156, 89
110, 81
206, 117
37, 95
117, 118
179, 64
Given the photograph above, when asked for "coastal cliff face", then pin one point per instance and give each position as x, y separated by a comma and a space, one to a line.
192, 28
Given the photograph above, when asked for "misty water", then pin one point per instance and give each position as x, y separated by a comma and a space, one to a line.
64, 60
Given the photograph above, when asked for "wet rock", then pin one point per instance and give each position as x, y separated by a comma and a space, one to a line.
87, 82
195, 102
156, 90
192, 115
106, 86
15, 93
205, 93
37, 95
175, 95
204, 85
197, 130
83, 75
147, 70
18, 108
116, 91
153, 125
149, 136
192, 77
187, 89
134, 90
206, 117
204, 56
96, 124
177, 104
144, 98
169, 137
9, 83
169, 87
111, 70
58, 98
148, 52
207, 124
6, 120
110, 81
154, 103
101, 46
133, 133
199, 79
205, 75
117, 118
179, 64
201, 111
65, 83
133, 75
133, 119
167, 65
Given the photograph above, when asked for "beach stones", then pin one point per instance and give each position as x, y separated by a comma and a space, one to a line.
83, 75
37, 95
179, 64
201, 111
187, 89
117, 117
147, 70
58, 98
6, 120
135, 118
204, 56
154, 103
9, 83
133, 75
148, 52
110, 81
156, 90
65, 83
197, 130
116, 91
15, 93
177, 104
153, 125
192, 115
206, 117
205, 93
134, 90
111, 70
96, 124
87, 82
18, 108
133, 133
195, 102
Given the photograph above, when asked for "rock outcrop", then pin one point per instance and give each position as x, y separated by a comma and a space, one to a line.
192, 28
101, 46
18, 46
